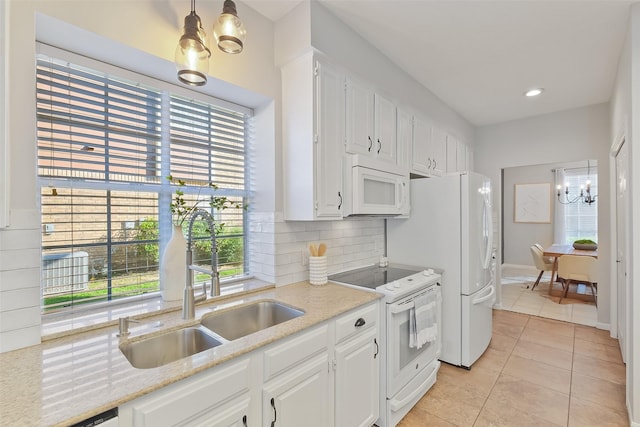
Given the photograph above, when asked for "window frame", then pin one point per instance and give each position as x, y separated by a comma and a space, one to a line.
164, 189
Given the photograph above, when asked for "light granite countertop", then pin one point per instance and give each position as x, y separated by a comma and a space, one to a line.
69, 379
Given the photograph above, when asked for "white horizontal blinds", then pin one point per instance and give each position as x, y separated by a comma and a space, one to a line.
580, 219
96, 127
208, 145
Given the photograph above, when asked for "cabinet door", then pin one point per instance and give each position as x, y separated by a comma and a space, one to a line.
452, 154
438, 151
234, 414
357, 380
385, 143
360, 117
404, 138
329, 140
420, 156
299, 397
196, 400
461, 156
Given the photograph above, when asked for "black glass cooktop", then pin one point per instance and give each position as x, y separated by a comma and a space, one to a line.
372, 276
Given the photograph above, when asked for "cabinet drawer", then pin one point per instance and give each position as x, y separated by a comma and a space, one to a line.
356, 321
185, 399
282, 356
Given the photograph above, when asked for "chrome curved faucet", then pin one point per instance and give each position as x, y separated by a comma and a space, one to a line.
190, 300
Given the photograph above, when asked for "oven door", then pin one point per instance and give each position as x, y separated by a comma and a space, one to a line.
404, 362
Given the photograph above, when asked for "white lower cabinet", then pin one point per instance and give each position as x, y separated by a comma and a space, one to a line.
357, 382
218, 397
299, 397
324, 376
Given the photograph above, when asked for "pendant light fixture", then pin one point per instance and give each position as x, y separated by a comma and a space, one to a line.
192, 53
228, 30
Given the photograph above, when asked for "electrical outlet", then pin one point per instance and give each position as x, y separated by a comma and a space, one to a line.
305, 256
48, 228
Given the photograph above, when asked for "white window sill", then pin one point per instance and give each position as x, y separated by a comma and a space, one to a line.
56, 325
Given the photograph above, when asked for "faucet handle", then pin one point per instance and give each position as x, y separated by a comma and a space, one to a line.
123, 326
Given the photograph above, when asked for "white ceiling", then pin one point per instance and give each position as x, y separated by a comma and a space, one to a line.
480, 56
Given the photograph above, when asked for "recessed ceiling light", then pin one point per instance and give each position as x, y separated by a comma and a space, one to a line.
534, 92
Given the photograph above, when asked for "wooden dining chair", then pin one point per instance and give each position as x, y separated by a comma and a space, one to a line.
542, 263
575, 269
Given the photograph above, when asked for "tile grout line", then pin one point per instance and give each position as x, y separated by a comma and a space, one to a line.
573, 351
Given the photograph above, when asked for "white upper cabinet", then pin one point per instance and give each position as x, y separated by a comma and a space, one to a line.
456, 155
404, 138
313, 110
370, 123
429, 153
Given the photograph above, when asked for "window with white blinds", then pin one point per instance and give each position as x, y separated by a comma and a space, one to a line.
580, 220
105, 147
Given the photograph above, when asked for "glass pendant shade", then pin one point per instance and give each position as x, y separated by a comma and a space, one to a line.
192, 53
228, 29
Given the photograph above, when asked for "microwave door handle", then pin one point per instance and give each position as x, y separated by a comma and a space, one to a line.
401, 195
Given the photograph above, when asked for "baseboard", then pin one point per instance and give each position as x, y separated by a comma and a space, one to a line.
631, 422
603, 326
525, 267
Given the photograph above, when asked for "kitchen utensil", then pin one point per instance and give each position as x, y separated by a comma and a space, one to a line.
322, 249
313, 250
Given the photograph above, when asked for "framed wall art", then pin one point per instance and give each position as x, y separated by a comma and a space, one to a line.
532, 203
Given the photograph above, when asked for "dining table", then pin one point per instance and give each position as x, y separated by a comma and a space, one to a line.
555, 251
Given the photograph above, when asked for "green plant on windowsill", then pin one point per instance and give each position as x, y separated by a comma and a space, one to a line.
181, 210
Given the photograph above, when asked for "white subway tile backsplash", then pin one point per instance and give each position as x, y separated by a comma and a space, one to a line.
20, 318
18, 279
24, 297
19, 259
350, 244
19, 338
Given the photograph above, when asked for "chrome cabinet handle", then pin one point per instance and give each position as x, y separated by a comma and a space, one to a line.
360, 322
339, 203
370, 144
429, 164
379, 146
375, 341
244, 421
435, 164
275, 414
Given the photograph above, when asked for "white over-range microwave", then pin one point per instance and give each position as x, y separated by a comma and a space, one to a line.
375, 191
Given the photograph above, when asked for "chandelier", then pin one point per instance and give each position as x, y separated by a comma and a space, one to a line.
584, 196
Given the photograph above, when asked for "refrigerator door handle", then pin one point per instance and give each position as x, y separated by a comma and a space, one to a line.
489, 228
480, 300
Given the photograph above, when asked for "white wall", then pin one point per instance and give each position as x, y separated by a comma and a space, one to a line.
561, 137
625, 103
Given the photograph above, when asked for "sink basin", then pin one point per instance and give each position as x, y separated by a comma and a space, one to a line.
247, 319
168, 347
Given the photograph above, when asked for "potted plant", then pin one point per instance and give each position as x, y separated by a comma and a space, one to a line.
173, 269
585, 245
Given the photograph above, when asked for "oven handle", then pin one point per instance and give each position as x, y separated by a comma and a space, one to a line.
397, 404
486, 297
395, 309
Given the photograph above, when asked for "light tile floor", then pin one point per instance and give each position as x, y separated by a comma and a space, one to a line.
517, 297
536, 372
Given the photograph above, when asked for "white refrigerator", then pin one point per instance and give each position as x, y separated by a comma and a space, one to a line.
450, 227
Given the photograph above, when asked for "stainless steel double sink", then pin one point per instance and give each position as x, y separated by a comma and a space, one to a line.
214, 329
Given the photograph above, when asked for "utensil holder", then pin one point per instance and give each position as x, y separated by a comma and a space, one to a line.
318, 270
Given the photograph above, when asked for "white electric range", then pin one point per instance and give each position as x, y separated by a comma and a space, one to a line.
407, 373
